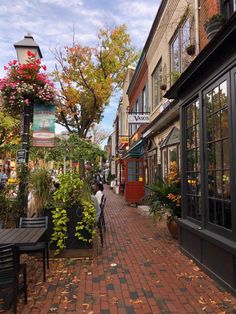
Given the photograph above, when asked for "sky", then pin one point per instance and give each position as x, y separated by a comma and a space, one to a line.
51, 22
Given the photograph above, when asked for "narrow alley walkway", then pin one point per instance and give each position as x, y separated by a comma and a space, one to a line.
141, 270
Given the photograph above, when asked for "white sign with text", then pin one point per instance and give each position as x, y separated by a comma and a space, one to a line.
138, 118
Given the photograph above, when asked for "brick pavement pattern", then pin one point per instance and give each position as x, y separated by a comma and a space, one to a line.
140, 270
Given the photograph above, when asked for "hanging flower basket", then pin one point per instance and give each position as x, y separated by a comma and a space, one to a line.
163, 86
24, 85
191, 49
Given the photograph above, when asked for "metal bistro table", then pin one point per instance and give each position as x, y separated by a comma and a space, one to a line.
21, 236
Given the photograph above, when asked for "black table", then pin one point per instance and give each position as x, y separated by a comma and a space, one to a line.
21, 236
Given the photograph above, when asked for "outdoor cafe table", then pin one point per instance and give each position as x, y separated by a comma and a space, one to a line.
21, 236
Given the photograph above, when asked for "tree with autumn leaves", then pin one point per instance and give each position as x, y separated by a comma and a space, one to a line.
88, 76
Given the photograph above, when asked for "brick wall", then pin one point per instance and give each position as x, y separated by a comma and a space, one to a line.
207, 9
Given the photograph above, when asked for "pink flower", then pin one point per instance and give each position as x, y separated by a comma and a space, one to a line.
44, 67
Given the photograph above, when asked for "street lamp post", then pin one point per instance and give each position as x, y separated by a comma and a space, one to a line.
22, 47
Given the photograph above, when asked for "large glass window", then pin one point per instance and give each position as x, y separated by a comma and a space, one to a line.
218, 165
192, 153
156, 82
178, 45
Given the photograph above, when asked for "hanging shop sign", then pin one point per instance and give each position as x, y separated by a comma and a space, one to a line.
44, 125
134, 118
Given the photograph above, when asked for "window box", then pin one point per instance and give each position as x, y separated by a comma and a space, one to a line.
213, 25
191, 49
163, 86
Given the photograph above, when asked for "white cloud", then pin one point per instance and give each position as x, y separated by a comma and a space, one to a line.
138, 9
63, 3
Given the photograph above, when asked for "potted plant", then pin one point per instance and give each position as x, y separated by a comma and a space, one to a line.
191, 49
165, 200
174, 76
213, 25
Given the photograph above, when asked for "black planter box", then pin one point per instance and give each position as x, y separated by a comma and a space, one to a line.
72, 242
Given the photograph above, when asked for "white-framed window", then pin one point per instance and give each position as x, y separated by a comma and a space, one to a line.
156, 82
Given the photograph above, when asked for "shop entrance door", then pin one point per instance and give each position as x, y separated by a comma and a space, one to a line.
134, 180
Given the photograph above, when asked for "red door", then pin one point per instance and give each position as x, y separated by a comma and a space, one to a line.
134, 180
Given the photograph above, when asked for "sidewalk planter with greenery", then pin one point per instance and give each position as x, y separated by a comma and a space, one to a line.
213, 25
73, 215
165, 200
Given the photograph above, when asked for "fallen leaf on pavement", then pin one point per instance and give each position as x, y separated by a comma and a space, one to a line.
196, 268
86, 305
113, 264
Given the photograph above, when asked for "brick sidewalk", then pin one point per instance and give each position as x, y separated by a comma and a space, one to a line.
140, 270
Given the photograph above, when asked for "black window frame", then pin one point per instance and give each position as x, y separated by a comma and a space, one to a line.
192, 147
209, 225
228, 7
230, 76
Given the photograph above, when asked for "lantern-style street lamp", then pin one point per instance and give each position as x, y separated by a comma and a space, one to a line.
27, 44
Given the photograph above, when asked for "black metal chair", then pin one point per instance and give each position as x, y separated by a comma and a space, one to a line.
99, 225
10, 270
36, 222
103, 203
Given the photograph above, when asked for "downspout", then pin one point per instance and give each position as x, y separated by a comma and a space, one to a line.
196, 17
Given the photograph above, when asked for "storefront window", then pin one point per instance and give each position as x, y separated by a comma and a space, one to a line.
192, 150
219, 203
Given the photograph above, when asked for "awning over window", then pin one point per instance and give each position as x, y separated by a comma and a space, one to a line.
172, 138
137, 150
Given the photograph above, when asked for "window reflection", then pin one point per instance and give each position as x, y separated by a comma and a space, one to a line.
193, 161
218, 156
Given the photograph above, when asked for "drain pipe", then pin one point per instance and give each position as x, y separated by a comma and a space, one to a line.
196, 17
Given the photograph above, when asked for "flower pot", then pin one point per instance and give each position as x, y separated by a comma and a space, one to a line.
213, 28
173, 227
190, 49
163, 86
